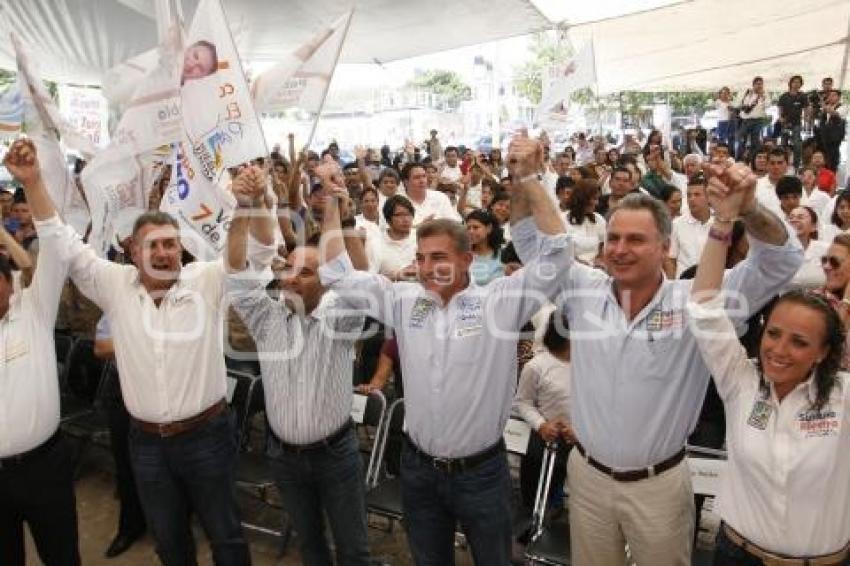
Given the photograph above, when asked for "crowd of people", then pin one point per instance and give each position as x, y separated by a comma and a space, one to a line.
598, 293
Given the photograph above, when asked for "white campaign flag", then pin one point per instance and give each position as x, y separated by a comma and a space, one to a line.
121, 176
220, 130
302, 78
563, 79
45, 125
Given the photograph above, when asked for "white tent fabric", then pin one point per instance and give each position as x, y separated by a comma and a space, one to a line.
705, 44
79, 40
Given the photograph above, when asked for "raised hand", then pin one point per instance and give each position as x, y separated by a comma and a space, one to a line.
731, 189
329, 172
525, 156
360, 153
22, 161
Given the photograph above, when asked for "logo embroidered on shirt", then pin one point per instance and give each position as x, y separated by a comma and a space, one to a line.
420, 311
664, 320
760, 414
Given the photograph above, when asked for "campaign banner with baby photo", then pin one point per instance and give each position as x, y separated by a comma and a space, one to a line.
220, 130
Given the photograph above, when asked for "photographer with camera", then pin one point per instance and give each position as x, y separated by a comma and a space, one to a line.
752, 114
791, 106
831, 128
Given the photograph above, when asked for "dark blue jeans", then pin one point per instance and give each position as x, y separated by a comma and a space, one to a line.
749, 134
435, 502
190, 473
328, 481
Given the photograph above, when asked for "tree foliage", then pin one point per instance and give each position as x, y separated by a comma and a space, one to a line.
445, 83
545, 50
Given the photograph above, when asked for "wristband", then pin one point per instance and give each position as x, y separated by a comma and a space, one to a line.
718, 219
720, 236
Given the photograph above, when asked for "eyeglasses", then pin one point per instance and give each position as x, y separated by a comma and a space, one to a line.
831, 260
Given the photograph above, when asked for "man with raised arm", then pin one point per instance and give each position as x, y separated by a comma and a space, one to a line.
36, 468
638, 380
457, 345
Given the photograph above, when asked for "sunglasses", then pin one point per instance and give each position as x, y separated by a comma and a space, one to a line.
831, 260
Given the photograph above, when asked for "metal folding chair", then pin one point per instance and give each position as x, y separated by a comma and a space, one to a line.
547, 545
383, 498
370, 410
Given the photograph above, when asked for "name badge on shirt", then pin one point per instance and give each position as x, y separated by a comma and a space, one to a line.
760, 414
469, 331
420, 311
818, 424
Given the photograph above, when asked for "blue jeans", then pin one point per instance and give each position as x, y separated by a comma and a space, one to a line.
190, 472
749, 131
792, 136
328, 480
724, 132
435, 502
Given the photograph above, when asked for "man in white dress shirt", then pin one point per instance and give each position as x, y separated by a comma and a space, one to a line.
36, 468
457, 344
689, 230
167, 328
428, 204
777, 167
638, 381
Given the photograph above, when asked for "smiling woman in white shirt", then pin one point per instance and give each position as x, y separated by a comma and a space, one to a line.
584, 224
810, 275
784, 494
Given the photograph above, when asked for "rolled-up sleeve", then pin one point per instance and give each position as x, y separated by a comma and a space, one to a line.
246, 293
724, 356
361, 291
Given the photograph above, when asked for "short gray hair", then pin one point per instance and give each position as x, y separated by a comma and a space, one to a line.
155, 217
446, 227
658, 210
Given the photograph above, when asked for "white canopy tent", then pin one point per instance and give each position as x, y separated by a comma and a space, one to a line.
705, 44
78, 40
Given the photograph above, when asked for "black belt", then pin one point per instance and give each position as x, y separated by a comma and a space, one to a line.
18, 459
456, 465
633, 475
324, 443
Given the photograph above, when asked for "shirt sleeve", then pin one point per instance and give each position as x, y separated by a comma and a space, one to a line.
762, 275
246, 293
526, 395
51, 269
365, 292
97, 278
723, 354
516, 298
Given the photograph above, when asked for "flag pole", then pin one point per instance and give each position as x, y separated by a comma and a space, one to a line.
328, 86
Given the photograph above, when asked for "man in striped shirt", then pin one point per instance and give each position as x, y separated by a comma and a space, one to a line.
306, 348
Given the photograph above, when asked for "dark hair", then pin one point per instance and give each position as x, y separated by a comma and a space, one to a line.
564, 182
778, 152
583, 193
407, 169
843, 196
367, 190
756, 153
757, 79
155, 217
825, 372
499, 196
445, 227
813, 216
557, 335
791, 80
388, 172
6, 268
496, 237
621, 169
667, 191
347, 166
509, 254
569, 149
788, 185
451, 148
391, 204
587, 172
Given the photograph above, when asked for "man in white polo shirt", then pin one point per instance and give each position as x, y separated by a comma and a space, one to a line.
428, 204
36, 469
689, 230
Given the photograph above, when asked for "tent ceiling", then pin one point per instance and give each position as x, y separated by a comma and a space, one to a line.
77, 40
705, 44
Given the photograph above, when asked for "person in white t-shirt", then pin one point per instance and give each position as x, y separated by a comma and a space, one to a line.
724, 122
398, 248
810, 275
813, 196
689, 230
777, 166
451, 172
428, 204
584, 224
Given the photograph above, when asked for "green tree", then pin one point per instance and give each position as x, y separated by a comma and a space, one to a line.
545, 50
444, 83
